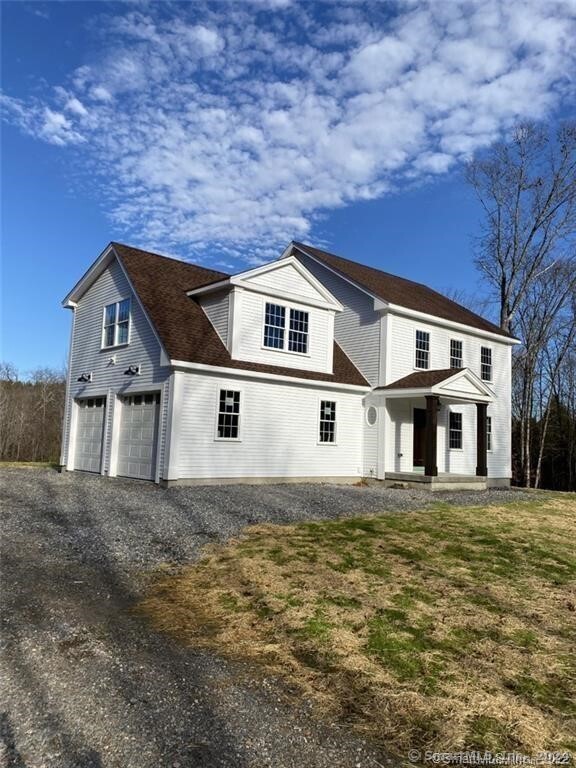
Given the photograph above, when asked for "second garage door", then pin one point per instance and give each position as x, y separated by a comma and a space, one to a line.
138, 436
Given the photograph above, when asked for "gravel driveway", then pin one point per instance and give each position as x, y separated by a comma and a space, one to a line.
86, 683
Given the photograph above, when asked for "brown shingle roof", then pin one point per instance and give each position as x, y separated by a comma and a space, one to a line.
186, 332
399, 290
421, 379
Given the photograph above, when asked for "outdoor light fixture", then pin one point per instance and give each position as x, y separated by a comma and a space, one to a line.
85, 377
132, 370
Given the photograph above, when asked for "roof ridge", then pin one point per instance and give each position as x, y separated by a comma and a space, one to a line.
367, 266
115, 243
402, 283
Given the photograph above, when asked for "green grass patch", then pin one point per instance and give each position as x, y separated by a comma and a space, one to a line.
451, 628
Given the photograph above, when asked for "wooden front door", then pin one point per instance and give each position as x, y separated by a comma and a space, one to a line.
419, 441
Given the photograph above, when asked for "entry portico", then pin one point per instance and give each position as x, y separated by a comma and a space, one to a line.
424, 394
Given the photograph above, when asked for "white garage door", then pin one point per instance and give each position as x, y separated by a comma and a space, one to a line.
89, 431
138, 433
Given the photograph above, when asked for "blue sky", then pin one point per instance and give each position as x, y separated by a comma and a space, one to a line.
218, 132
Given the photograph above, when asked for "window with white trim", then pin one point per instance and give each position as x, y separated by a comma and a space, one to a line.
275, 336
455, 353
327, 432
116, 328
229, 415
455, 430
422, 359
488, 433
274, 324
485, 363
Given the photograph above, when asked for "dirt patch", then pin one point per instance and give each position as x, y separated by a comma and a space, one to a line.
449, 629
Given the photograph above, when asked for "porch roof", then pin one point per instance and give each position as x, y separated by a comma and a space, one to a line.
457, 384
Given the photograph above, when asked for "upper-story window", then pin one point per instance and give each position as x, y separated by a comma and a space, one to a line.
116, 323
422, 349
455, 353
275, 336
485, 363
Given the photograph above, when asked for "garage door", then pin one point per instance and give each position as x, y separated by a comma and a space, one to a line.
138, 433
89, 431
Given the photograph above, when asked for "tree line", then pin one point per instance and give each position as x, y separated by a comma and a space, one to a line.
527, 257
31, 414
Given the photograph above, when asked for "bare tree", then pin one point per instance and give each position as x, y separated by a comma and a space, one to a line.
527, 188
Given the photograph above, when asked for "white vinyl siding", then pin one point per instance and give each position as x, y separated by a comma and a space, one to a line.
357, 327
216, 306
108, 365
251, 318
279, 431
401, 355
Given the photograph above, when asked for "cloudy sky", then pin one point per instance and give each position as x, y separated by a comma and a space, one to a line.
219, 132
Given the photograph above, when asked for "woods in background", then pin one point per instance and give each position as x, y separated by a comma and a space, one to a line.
31, 414
527, 256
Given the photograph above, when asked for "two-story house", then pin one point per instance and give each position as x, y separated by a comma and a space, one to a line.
311, 367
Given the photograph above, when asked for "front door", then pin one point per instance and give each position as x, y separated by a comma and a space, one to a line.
419, 441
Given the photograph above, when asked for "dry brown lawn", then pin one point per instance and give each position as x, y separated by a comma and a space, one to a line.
451, 628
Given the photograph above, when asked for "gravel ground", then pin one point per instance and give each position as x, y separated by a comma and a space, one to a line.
86, 683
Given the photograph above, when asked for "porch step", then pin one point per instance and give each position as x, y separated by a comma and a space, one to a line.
441, 482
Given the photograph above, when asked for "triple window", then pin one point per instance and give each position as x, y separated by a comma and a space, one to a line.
485, 363
455, 430
275, 335
228, 415
422, 349
116, 323
455, 353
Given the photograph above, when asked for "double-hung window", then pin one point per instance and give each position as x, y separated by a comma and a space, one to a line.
277, 336
327, 432
455, 353
422, 349
229, 415
455, 430
116, 323
274, 325
485, 363
488, 433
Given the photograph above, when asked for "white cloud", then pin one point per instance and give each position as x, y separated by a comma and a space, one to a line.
231, 128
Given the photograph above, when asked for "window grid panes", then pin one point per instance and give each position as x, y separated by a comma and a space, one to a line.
455, 430
116, 323
274, 324
327, 421
455, 353
298, 333
422, 349
229, 414
489, 433
486, 364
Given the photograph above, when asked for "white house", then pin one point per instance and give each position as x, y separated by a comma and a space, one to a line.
311, 367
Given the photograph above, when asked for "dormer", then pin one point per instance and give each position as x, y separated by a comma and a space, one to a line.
276, 314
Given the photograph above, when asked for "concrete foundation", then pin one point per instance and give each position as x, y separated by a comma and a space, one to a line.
258, 480
441, 482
